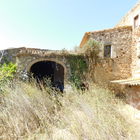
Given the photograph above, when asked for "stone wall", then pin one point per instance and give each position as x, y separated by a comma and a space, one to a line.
119, 65
136, 53
26, 58
133, 96
9, 55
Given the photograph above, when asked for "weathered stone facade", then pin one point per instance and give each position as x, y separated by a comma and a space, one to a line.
9, 55
27, 57
57, 66
124, 60
120, 40
116, 67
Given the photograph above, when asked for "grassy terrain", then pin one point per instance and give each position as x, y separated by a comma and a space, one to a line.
31, 114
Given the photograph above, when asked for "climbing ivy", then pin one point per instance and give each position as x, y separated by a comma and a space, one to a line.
78, 66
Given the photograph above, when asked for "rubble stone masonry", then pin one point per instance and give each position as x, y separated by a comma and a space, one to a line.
119, 65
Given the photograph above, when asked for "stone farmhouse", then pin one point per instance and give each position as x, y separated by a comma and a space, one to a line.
119, 59
120, 55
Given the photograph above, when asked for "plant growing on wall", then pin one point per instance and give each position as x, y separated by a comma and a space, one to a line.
82, 64
91, 50
78, 66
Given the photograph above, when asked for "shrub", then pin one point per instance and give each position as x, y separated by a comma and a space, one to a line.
7, 72
78, 67
91, 49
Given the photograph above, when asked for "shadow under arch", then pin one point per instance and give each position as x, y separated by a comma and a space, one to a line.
48, 69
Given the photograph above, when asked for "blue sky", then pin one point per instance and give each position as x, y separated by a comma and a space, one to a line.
56, 24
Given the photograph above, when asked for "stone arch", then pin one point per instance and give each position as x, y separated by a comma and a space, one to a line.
46, 59
57, 75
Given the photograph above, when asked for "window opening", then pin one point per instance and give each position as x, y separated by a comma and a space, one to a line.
107, 51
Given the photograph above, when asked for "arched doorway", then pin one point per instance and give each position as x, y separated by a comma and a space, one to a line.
51, 70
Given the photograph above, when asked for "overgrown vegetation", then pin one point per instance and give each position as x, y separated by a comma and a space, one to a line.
84, 62
79, 67
92, 50
29, 113
7, 71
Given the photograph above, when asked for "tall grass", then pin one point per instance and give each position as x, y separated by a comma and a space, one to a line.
29, 113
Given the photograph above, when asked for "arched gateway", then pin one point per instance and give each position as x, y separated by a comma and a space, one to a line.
43, 70
43, 64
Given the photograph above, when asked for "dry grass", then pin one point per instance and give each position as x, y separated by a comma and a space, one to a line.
28, 113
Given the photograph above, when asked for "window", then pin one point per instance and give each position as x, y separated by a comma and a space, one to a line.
107, 51
136, 21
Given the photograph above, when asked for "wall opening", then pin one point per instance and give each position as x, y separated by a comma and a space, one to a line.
136, 21
107, 51
44, 70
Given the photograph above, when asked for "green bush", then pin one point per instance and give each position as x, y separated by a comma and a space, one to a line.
7, 72
79, 67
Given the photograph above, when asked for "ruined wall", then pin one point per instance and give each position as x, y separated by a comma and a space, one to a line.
27, 57
128, 19
73, 64
133, 96
9, 55
119, 65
